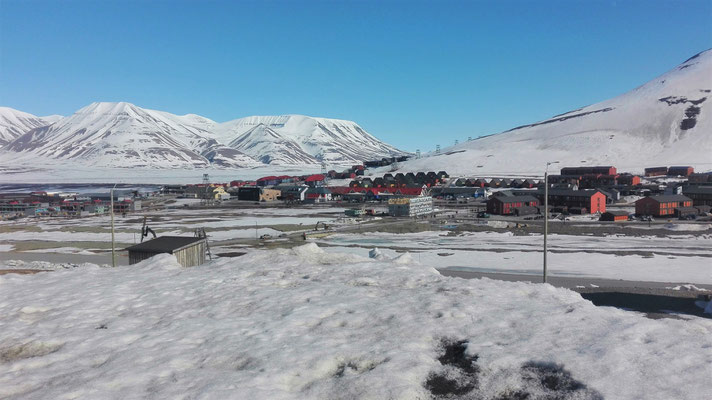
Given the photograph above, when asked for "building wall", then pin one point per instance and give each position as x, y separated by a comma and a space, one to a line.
189, 257
410, 207
270, 194
498, 207
248, 194
656, 171
650, 206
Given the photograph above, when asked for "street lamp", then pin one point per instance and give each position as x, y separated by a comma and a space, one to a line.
546, 209
113, 247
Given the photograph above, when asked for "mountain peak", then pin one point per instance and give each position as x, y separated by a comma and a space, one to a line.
109, 108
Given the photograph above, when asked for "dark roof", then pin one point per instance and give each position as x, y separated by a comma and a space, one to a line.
697, 189
319, 190
165, 244
617, 213
515, 199
571, 192
666, 198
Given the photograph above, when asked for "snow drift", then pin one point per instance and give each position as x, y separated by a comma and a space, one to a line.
301, 323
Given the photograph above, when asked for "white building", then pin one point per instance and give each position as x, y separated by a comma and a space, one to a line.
410, 206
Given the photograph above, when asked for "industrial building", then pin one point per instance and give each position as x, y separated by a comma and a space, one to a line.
410, 206
253, 193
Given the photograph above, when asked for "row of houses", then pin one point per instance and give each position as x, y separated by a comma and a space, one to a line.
68, 207
560, 200
320, 194
669, 171
400, 179
495, 183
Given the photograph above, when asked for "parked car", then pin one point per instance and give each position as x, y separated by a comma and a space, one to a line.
482, 214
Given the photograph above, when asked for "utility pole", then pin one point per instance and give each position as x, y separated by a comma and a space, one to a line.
546, 210
113, 245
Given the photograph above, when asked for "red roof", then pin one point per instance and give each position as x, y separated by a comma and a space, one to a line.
408, 191
314, 178
340, 189
268, 178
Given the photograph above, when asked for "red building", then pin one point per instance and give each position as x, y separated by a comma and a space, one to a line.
589, 201
656, 171
314, 180
506, 205
615, 216
581, 171
661, 206
628, 179
680, 171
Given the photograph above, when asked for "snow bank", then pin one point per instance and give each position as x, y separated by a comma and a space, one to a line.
45, 266
302, 323
688, 227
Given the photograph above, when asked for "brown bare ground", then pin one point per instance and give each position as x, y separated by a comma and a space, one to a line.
21, 271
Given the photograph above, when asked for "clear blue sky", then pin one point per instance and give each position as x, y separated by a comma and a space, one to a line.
413, 73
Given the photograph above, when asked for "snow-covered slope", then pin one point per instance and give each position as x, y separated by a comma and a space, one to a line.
296, 138
268, 146
14, 123
306, 324
123, 135
664, 122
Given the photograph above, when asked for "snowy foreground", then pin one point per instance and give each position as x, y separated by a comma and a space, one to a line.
304, 324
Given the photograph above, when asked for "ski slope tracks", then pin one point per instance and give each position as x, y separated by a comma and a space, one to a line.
302, 323
667, 121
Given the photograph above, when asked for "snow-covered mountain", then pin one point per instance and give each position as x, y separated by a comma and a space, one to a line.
666, 121
14, 123
289, 139
124, 135
268, 146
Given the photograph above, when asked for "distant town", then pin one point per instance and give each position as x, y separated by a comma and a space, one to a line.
669, 192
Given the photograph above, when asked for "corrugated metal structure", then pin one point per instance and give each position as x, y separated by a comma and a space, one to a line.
189, 251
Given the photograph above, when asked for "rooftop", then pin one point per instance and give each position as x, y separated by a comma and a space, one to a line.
165, 244
664, 198
515, 199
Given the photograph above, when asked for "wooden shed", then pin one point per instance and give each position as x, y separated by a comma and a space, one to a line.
189, 251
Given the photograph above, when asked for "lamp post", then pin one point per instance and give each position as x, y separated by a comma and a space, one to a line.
546, 209
113, 247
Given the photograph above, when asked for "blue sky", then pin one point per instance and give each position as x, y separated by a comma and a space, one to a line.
413, 73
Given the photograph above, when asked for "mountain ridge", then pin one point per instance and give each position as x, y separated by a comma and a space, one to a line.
121, 134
